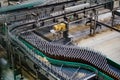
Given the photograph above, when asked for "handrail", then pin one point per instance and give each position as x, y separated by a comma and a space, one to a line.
66, 63
60, 62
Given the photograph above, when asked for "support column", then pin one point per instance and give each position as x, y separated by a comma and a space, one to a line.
113, 17
37, 71
13, 65
20, 64
91, 27
95, 19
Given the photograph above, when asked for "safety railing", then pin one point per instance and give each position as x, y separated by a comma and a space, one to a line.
47, 66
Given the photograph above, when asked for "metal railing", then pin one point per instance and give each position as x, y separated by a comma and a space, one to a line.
48, 67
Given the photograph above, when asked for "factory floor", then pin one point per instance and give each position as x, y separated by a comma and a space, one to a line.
5, 72
107, 42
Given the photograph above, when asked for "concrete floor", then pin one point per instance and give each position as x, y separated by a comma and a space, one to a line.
107, 42
7, 73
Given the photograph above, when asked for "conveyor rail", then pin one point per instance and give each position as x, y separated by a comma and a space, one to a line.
71, 53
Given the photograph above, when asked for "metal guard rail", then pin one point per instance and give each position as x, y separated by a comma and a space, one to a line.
66, 63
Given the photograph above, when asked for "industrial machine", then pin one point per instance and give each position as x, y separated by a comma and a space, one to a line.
25, 42
60, 27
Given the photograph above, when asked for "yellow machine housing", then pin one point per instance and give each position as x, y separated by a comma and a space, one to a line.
60, 27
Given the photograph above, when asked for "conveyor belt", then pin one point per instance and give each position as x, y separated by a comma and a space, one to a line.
71, 53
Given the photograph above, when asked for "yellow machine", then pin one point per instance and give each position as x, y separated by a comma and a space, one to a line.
60, 27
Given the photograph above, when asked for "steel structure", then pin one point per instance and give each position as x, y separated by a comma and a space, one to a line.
44, 55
